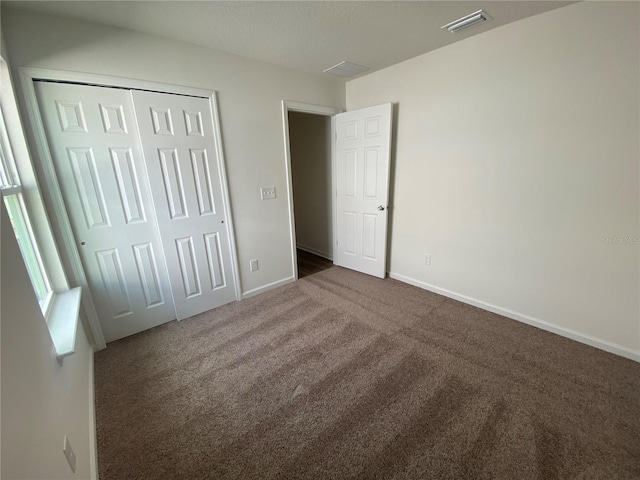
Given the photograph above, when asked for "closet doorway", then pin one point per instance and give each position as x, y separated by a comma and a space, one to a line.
142, 188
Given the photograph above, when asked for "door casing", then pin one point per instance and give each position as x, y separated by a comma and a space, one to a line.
53, 194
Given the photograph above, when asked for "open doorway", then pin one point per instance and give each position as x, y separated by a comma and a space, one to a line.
310, 146
308, 138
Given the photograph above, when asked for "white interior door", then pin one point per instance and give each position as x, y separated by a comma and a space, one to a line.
94, 144
363, 148
177, 134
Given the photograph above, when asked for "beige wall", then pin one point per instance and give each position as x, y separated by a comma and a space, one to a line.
310, 141
249, 94
517, 154
41, 401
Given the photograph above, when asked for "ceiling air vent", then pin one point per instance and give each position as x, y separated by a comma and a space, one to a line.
346, 69
467, 21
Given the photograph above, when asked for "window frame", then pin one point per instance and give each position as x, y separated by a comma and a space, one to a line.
11, 186
61, 312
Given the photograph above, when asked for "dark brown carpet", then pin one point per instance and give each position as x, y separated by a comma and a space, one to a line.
341, 375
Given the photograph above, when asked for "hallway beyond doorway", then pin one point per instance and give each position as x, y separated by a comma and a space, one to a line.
308, 263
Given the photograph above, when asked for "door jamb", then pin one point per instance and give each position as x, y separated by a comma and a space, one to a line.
290, 106
52, 190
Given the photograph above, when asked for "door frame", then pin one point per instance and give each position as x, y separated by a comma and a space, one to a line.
51, 188
300, 107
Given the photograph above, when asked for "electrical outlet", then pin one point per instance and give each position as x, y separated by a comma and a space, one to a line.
267, 193
253, 265
427, 260
68, 452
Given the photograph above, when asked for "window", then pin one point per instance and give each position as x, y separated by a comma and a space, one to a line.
15, 203
60, 303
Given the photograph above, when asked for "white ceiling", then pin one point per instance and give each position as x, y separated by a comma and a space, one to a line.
308, 36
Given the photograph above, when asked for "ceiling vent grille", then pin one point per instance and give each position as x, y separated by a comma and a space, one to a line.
467, 21
346, 69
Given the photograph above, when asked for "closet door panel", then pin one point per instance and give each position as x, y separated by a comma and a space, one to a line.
94, 143
184, 172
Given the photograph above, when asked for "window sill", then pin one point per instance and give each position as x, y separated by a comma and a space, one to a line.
63, 321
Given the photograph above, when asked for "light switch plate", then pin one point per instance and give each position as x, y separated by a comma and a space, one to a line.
267, 193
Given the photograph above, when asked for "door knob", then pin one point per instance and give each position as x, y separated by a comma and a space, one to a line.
380, 207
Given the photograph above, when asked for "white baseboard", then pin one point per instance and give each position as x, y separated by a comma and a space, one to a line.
267, 287
93, 440
326, 255
535, 322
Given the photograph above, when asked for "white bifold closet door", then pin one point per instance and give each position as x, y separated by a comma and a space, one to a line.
182, 162
124, 198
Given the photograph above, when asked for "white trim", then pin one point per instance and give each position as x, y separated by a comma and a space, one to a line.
13, 190
35, 73
310, 108
63, 321
226, 201
290, 106
52, 189
529, 320
334, 189
267, 287
93, 432
314, 251
287, 164
7, 159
